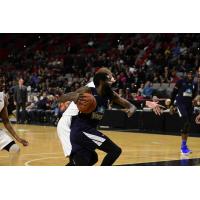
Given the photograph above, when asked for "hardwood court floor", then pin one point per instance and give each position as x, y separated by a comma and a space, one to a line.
45, 148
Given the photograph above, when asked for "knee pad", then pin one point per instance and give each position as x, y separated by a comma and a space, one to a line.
14, 149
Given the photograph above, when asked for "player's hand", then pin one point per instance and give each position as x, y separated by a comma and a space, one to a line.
129, 111
157, 108
22, 141
15, 103
197, 120
82, 98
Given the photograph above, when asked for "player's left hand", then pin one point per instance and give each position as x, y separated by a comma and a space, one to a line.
197, 120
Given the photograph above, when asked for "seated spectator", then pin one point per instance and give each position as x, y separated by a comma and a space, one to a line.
156, 78
139, 96
174, 77
141, 88
128, 94
32, 109
148, 90
166, 76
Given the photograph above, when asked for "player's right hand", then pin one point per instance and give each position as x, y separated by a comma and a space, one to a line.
22, 141
129, 111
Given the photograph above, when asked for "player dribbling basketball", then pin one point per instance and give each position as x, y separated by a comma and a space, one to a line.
84, 136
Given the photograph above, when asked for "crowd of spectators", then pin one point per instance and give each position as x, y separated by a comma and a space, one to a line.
53, 64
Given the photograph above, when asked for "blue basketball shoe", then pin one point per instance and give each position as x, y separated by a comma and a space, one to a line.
185, 150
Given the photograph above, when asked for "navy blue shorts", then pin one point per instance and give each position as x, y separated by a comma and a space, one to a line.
89, 139
185, 111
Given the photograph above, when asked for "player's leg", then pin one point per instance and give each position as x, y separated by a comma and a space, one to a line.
8, 144
83, 157
185, 113
93, 139
113, 152
63, 131
12, 147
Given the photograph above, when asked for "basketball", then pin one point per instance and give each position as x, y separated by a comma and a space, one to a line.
87, 104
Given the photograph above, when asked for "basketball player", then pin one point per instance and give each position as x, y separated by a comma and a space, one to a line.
182, 97
6, 142
63, 127
84, 136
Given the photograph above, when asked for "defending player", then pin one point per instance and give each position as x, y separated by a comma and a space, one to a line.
6, 142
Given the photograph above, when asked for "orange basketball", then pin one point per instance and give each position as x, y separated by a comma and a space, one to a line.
87, 103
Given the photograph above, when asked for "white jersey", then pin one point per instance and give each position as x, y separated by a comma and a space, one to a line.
63, 127
91, 84
5, 139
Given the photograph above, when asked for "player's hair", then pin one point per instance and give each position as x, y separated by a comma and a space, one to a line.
100, 77
104, 70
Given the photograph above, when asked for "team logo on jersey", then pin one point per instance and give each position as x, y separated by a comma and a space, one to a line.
187, 93
100, 109
97, 116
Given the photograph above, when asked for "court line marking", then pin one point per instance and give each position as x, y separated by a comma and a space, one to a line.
63, 156
38, 159
32, 154
23, 130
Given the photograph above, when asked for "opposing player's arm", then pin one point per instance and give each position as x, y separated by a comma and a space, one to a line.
129, 108
7, 124
84, 89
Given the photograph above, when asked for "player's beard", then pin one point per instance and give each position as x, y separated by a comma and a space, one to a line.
107, 91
